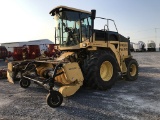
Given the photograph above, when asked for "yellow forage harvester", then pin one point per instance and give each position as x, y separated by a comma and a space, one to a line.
90, 57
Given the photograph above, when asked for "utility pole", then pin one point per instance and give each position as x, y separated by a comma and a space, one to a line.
157, 43
155, 34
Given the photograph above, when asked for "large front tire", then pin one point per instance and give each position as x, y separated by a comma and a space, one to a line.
100, 70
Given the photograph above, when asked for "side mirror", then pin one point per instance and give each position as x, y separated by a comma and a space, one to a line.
93, 14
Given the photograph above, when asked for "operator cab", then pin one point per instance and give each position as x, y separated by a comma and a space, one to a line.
74, 29
72, 26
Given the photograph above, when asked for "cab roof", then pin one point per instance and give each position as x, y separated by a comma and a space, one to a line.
65, 8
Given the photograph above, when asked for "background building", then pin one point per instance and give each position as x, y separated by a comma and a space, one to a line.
42, 44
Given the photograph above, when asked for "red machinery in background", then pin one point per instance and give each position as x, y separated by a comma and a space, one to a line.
33, 51
52, 50
26, 52
4, 53
17, 53
24, 55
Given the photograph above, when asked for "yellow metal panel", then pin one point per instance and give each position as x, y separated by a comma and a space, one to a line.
69, 48
64, 55
10, 66
124, 49
73, 72
124, 68
10, 73
99, 44
9, 76
70, 89
121, 52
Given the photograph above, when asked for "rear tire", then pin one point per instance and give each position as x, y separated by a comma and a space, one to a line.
132, 70
100, 70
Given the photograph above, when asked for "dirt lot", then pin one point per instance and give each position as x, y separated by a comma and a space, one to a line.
136, 100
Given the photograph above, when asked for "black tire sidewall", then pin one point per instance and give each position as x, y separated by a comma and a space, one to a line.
53, 94
129, 77
21, 82
111, 59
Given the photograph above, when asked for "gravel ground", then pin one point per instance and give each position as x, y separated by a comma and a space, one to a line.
136, 100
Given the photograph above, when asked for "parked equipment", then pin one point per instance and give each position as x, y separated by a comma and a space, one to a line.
4, 53
131, 47
26, 52
52, 50
139, 47
151, 46
17, 53
90, 57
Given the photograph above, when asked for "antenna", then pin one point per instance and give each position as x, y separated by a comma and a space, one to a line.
156, 38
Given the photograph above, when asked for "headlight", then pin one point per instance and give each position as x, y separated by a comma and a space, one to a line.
84, 44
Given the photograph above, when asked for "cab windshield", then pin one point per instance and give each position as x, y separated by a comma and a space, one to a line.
72, 27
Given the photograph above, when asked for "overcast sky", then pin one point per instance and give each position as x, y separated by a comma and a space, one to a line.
23, 20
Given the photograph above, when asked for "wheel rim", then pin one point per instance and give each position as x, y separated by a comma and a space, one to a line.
55, 100
25, 83
133, 70
106, 71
